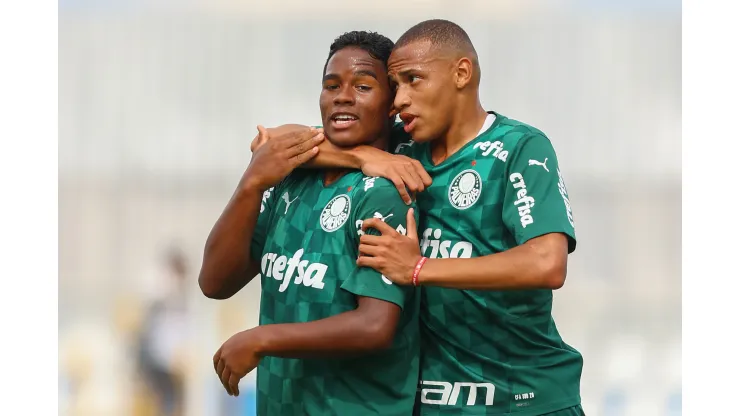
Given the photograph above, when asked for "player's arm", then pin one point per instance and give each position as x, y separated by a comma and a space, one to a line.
540, 263
407, 174
535, 210
369, 327
228, 263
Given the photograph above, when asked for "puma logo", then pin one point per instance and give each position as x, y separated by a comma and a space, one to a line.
381, 217
538, 163
287, 200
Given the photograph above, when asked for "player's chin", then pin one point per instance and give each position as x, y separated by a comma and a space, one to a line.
421, 135
345, 138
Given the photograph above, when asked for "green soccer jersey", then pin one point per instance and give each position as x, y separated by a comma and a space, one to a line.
306, 242
493, 352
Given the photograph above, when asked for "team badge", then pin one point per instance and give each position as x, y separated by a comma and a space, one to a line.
465, 189
335, 213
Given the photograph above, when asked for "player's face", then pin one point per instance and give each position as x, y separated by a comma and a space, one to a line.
356, 98
425, 90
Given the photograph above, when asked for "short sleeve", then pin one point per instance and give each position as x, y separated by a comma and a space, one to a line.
259, 235
378, 201
536, 199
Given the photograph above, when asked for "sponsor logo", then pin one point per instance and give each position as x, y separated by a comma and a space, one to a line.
524, 202
369, 182
448, 394
566, 201
335, 213
265, 197
402, 145
444, 249
465, 189
497, 148
295, 269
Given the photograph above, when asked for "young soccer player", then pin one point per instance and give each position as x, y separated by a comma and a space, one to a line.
334, 338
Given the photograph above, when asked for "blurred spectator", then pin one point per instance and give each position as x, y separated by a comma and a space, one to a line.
164, 340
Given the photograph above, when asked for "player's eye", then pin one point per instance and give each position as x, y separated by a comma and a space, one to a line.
331, 87
364, 88
414, 78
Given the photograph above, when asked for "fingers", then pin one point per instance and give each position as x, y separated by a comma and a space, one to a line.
216, 359
412, 179
371, 262
304, 157
378, 225
370, 250
371, 240
234, 384
411, 225
423, 174
305, 143
224, 376
262, 136
401, 188
299, 136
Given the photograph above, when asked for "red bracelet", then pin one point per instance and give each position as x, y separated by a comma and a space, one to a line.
417, 270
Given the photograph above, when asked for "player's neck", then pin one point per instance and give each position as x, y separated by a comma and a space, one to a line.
467, 121
332, 175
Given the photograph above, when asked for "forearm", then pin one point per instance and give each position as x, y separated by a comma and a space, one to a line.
347, 334
331, 156
529, 266
227, 266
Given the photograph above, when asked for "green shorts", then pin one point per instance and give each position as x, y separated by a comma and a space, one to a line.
571, 411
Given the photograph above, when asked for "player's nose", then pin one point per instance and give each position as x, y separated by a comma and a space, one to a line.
344, 97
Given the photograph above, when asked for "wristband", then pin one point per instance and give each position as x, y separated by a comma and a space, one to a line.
417, 270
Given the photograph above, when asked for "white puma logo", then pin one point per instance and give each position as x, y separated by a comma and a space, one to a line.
287, 201
543, 164
381, 217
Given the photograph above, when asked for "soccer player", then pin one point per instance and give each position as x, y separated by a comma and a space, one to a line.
496, 229
334, 338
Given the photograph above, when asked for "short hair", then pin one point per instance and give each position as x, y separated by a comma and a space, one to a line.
375, 44
441, 33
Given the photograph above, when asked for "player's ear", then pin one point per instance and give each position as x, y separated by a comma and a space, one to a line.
463, 72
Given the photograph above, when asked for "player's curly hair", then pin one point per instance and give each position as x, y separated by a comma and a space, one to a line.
377, 45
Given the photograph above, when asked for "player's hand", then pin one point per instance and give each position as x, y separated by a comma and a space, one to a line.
393, 254
274, 158
236, 358
403, 171
275, 132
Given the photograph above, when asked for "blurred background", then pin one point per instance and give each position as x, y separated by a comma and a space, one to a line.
158, 102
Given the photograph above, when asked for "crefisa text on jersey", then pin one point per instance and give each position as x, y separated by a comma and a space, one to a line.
524, 202
309, 274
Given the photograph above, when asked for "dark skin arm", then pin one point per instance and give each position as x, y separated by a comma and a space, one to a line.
227, 266
407, 174
540, 263
370, 327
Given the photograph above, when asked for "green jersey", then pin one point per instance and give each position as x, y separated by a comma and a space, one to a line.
306, 242
493, 352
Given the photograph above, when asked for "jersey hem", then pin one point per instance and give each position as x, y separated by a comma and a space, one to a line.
359, 291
